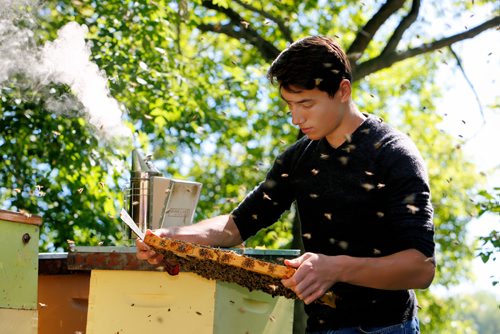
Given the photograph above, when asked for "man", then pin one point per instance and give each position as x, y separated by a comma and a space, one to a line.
362, 196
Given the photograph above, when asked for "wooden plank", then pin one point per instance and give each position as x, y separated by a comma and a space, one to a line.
18, 217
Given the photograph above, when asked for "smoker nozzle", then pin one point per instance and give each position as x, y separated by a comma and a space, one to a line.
141, 165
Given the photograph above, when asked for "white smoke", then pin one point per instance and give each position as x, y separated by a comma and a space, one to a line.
66, 60
16, 43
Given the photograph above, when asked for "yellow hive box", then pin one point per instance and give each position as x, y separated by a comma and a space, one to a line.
122, 301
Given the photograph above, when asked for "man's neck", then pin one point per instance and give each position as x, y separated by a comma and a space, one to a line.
352, 120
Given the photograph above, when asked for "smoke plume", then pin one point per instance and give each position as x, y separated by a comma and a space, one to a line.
66, 60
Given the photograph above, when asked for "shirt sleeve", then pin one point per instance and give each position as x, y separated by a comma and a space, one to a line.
410, 212
264, 205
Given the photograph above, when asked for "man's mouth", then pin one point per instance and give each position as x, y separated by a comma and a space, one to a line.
306, 130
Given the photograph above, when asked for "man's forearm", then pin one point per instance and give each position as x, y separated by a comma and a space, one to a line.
217, 231
408, 269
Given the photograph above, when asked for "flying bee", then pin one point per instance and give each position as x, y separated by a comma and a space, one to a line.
25, 213
324, 156
343, 160
409, 199
412, 208
343, 244
368, 186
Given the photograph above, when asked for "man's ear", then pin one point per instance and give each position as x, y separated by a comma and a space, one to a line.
345, 90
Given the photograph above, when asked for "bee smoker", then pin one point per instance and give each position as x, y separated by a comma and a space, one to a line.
156, 201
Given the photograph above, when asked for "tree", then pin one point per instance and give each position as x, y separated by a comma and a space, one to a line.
488, 202
191, 76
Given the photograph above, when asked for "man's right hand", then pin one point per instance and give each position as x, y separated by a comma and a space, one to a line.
144, 252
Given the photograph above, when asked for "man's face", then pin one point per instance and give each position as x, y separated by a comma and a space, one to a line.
316, 113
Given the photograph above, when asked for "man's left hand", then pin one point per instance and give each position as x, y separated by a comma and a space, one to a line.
315, 274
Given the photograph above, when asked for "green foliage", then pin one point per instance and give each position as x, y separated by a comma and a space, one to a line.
468, 313
52, 165
480, 309
489, 202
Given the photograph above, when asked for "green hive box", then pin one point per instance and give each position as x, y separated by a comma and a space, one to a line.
18, 260
18, 272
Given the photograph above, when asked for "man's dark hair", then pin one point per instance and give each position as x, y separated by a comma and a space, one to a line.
311, 62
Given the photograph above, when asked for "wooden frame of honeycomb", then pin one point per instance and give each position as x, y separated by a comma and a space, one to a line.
228, 266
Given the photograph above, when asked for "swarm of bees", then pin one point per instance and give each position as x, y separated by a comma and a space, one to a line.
222, 272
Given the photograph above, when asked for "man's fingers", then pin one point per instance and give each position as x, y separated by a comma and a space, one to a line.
144, 252
141, 245
155, 259
143, 255
294, 263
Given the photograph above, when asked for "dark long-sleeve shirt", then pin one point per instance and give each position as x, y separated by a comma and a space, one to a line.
369, 197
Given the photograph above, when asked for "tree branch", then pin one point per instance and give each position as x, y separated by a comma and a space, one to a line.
459, 63
366, 33
281, 24
236, 29
383, 61
268, 50
402, 27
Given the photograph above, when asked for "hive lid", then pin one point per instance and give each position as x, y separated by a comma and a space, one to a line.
18, 217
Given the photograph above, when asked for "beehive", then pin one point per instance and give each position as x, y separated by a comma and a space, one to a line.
18, 272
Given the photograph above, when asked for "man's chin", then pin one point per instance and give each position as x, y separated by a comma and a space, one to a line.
312, 136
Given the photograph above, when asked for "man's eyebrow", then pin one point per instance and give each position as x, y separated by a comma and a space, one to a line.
300, 101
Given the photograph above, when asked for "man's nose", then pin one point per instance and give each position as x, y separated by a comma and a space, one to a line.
297, 116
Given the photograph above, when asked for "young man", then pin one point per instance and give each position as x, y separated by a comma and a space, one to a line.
362, 196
